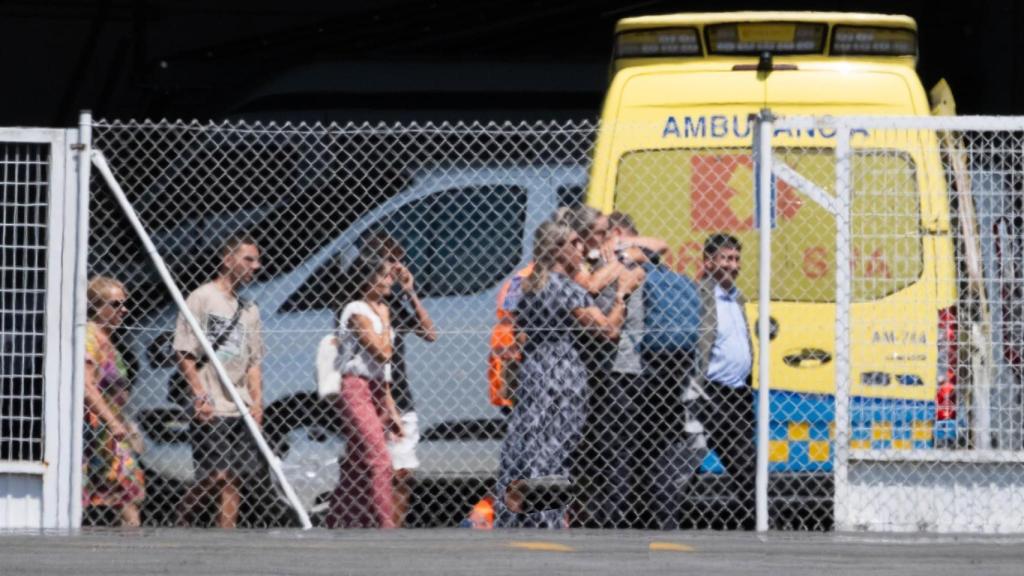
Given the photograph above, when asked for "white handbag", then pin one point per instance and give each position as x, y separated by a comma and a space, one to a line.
328, 377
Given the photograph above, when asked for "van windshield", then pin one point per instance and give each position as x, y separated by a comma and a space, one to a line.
684, 195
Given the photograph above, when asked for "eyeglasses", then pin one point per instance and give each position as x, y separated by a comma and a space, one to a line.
116, 304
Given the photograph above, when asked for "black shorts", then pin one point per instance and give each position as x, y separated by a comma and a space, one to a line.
224, 444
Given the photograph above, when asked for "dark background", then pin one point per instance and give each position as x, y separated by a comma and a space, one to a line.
401, 59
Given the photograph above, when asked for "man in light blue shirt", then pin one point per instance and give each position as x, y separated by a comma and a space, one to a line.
726, 408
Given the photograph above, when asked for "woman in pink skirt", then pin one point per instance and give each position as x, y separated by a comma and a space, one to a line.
364, 498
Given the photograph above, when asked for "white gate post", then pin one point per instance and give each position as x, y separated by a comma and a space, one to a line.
78, 337
763, 156
841, 442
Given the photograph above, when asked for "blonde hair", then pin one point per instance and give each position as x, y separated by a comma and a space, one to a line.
547, 241
96, 292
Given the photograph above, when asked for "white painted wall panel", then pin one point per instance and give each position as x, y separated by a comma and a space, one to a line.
21, 501
979, 498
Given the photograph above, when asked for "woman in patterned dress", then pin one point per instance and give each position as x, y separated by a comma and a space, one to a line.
111, 473
550, 405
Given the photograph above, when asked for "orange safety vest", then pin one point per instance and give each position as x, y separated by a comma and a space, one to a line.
503, 342
481, 517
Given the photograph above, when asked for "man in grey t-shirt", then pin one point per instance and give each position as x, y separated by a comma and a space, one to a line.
611, 435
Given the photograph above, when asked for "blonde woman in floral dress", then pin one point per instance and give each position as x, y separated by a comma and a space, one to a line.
111, 473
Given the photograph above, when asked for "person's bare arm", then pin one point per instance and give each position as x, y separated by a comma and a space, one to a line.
424, 327
649, 243
96, 404
424, 323
594, 282
591, 318
394, 425
254, 383
609, 325
202, 402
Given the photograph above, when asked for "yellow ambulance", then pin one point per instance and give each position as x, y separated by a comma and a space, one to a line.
674, 152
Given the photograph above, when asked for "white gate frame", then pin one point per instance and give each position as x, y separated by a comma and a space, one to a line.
768, 168
50, 489
764, 160
859, 474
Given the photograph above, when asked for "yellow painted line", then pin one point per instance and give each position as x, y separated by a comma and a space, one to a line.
542, 546
670, 547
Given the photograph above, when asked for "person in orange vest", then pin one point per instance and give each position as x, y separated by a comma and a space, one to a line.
481, 516
504, 352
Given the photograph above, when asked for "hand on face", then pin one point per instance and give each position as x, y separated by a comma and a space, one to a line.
404, 278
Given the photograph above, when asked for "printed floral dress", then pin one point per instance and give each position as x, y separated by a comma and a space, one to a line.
111, 474
551, 399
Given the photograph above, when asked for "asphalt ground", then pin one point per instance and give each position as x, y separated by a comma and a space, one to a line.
522, 553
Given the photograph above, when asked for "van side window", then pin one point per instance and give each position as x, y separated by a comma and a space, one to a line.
319, 289
462, 241
570, 196
457, 242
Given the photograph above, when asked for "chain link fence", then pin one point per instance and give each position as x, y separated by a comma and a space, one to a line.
641, 415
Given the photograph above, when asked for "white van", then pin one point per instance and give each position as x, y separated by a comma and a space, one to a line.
465, 229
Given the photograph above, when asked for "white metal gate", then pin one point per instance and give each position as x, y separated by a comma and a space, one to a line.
927, 396
40, 416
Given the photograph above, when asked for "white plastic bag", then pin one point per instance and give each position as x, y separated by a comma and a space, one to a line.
328, 377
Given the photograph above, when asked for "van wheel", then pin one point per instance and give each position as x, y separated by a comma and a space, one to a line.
303, 410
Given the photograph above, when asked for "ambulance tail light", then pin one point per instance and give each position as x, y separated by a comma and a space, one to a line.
948, 366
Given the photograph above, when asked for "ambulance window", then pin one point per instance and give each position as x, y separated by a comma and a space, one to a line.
462, 241
684, 196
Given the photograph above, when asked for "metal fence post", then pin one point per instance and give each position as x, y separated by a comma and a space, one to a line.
78, 337
763, 154
841, 442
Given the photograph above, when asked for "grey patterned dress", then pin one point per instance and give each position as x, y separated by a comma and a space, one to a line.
546, 422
